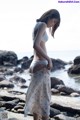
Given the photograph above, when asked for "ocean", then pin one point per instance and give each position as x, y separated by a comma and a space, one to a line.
72, 81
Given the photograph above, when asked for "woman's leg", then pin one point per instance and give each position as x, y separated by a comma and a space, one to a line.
45, 118
35, 116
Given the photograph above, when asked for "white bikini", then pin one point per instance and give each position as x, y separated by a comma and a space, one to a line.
45, 36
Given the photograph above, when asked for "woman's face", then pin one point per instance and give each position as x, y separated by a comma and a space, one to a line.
52, 22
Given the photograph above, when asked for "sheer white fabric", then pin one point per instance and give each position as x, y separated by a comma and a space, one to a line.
39, 94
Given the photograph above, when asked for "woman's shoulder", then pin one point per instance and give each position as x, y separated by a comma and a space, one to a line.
40, 24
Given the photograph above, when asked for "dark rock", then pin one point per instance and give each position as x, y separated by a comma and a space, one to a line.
22, 60
1, 104
2, 77
63, 93
74, 69
18, 69
70, 111
54, 112
18, 107
17, 79
6, 98
8, 105
15, 92
20, 111
6, 84
24, 86
63, 117
77, 60
3, 69
54, 91
21, 103
63, 88
9, 72
26, 64
8, 57
56, 81
58, 64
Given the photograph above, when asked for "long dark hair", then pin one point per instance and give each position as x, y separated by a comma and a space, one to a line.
50, 14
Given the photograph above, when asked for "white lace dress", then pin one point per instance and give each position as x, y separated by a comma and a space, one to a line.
39, 94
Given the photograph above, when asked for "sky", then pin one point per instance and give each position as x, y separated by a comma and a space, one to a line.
18, 18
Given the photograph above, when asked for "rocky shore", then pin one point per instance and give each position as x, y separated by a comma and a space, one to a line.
65, 101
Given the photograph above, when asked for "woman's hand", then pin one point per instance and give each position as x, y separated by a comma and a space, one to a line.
50, 65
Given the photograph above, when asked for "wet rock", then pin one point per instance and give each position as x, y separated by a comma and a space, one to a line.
9, 72
8, 57
58, 64
63, 88
77, 60
9, 105
54, 112
6, 84
56, 81
66, 89
78, 118
75, 68
2, 77
26, 64
21, 103
17, 79
23, 86
63, 117
18, 107
3, 69
75, 94
15, 92
63, 93
18, 69
20, 111
6, 98
1, 104
20, 61
71, 105
54, 91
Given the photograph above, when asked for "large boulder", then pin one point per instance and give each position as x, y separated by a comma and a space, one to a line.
75, 68
56, 81
16, 79
77, 60
8, 58
58, 64
22, 60
26, 64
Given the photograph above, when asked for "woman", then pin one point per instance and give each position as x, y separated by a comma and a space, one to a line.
39, 92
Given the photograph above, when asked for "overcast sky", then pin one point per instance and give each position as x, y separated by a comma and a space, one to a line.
17, 19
